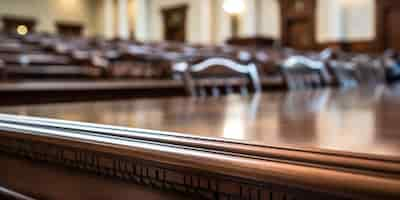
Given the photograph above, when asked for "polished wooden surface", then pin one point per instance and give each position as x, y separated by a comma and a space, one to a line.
353, 121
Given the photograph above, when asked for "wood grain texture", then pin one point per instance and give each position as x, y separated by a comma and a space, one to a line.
298, 145
183, 168
352, 121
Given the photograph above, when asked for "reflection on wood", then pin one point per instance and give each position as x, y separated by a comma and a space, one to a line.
277, 115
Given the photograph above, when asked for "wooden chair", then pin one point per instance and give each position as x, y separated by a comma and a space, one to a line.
344, 73
357, 69
268, 63
300, 72
208, 76
370, 71
391, 62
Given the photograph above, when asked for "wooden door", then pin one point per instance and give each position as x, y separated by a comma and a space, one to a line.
392, 30
300, 34
298, 23
175, 23
388, 24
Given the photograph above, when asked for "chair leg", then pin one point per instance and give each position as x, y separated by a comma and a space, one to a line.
244, 91
202, 92
229, 90
3, 74
215, 92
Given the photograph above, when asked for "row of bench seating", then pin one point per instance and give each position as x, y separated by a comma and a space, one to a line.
52, 56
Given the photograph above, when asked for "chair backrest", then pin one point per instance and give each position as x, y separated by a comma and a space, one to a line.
343, 73
370, 70
303, 73
360, 69
207, 77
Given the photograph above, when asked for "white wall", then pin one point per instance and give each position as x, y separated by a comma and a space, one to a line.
328, 21
47, 12
358, 19
105, 18
143, 20
271, 19
132, 16
222, 25
249, 19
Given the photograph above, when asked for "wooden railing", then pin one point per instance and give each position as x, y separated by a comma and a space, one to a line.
205, 167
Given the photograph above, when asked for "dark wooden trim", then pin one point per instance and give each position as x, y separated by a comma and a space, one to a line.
367, 46
379, 17
256, 41
228, 171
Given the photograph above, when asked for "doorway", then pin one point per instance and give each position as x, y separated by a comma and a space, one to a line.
175, 23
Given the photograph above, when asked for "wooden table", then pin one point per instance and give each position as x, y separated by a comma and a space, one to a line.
321, 144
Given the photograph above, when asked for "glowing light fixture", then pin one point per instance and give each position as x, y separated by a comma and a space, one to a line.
233, 7
22, 30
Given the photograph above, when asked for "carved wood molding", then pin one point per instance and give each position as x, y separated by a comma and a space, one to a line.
152, 174
185, 164
319, 157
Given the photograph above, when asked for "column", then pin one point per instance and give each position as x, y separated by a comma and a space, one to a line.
205, 28
331, 21
258, 16
143, 20
123, 19
108, 18
248, 26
